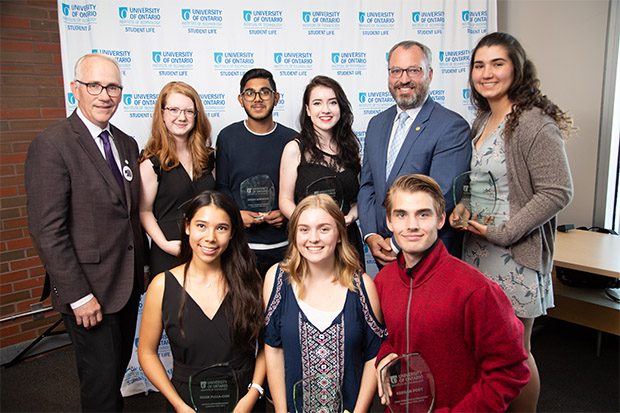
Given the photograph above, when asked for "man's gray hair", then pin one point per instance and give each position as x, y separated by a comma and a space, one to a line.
408, 44
78, 65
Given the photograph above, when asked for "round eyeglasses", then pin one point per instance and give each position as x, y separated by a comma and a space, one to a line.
95, 89
249, 95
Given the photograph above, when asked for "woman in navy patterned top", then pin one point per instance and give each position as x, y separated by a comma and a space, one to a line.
322, 314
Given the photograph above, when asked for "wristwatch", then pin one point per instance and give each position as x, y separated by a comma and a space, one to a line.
258, 388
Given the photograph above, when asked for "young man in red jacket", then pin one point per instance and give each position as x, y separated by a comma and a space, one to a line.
461, 323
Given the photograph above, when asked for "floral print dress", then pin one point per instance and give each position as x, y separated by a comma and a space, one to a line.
530, 292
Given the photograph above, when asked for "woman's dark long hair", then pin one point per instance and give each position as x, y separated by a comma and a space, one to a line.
239, 268
343, 135
524, 92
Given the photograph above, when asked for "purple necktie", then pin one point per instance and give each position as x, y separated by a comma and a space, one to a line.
109, 156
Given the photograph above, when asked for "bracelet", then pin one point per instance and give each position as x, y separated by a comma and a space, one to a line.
258, 388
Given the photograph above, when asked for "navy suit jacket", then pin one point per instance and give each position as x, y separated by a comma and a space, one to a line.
87, 234
438, 145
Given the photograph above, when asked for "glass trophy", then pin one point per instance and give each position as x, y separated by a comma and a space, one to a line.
317, 394
214, 389
408, 383
258, 194
475, 197
329, 185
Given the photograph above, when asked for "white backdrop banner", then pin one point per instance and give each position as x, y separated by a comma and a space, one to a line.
211, 44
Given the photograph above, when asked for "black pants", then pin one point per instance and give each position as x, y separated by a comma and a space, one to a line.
266, 258
102, 355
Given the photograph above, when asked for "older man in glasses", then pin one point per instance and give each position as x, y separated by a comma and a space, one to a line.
415, 136
247, 167
82, 185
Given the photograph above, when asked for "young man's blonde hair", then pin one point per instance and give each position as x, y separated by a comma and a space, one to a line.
416, 183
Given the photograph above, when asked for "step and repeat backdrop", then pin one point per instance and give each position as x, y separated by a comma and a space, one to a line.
211, 44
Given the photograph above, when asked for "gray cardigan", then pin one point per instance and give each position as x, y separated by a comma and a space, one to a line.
540, 186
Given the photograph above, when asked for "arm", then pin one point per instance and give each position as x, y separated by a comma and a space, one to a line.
291, 157
368, 386
366, 195
552, 187
496, 336
49, 192
451, 157
151, 329
274, 356
149, 185
352, 216
248, 401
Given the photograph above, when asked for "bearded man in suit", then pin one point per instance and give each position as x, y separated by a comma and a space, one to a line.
415, 136
82, 185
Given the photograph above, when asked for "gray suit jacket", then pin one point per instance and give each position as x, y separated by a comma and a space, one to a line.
88, 235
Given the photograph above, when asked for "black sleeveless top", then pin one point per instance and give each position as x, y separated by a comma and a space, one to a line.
174, 190
206, 342
307, 173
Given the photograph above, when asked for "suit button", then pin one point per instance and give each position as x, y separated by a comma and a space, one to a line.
130, 247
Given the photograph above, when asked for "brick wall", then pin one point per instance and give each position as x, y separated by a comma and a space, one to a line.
31, 99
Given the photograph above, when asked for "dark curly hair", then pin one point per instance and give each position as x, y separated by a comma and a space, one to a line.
524, 93
348, 143
239, 268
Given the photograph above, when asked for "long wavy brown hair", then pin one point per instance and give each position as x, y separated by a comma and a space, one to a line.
347, 259
524, 93
343, 135
239, 267
161, 142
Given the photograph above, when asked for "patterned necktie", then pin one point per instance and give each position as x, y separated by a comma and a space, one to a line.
397, 142
109, 156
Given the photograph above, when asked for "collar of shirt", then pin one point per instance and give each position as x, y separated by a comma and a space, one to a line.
92, 128
95, 131
413, 113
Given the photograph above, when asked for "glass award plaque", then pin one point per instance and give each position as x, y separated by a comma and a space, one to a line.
258, 193
475, 197
329, 185
214, 389
317, 394
408, 384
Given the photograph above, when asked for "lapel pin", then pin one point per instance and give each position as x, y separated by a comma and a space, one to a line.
417, 128
127, 173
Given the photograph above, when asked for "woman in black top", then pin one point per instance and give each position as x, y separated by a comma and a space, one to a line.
324, 157
177, 163
210, 307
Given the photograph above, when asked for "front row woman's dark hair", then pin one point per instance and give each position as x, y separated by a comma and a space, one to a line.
239, 270
524, 92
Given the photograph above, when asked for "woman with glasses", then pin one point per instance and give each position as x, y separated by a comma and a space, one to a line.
324, 157
518, 137
176, 164
323, 323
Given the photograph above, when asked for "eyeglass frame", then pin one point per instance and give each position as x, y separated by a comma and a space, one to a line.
183, 111
102, 87
258, 93
410, 68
